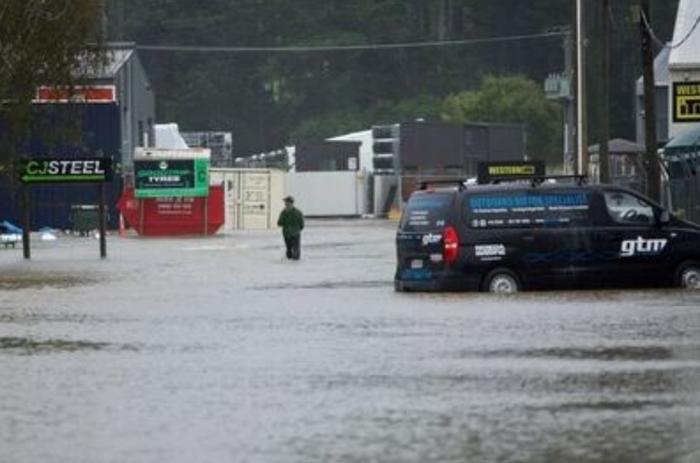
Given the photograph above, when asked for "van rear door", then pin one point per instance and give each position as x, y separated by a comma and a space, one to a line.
419, 241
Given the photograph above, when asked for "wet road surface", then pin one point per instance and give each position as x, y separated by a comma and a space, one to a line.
210, 350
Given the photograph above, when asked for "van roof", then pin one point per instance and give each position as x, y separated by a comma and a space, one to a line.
514, 187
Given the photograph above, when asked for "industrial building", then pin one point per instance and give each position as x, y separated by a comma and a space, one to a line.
112, 122
357, 174
682, 153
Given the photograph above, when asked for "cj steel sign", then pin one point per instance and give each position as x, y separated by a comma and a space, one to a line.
173, 177
54, 170
686, 102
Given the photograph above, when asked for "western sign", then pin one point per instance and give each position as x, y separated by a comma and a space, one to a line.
88, 170
686, 102
172, 177
493, 171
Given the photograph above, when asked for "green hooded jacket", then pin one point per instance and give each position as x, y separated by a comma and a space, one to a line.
292, 221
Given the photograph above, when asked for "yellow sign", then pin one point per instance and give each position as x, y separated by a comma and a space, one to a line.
686, 102
512, 170
488, 172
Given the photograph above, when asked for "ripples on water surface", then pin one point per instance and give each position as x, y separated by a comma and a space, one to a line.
231, 354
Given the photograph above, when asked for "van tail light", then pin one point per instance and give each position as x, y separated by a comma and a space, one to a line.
450, 243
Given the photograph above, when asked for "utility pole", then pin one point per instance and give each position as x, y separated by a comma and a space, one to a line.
603, 151
570, 132
26, 223
581, 130
651, 158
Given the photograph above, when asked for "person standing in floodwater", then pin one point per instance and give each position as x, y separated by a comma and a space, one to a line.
292, 222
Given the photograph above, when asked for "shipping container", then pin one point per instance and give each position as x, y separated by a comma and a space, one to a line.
330, 194
253, 197
115, 108
99, 136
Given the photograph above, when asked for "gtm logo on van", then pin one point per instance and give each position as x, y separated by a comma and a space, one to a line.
640, 246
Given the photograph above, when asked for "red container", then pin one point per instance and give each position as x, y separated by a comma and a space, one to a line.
174, 215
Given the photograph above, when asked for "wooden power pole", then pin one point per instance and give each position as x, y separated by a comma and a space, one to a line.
651, 160
603, 151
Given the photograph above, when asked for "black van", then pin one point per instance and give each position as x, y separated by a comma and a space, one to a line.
541, 234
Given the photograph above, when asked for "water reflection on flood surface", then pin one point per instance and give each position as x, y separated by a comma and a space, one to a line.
160, 355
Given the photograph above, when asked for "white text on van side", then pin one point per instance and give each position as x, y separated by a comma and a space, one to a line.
641, 246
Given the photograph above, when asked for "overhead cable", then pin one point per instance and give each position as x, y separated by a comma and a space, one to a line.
663, 44
326, 48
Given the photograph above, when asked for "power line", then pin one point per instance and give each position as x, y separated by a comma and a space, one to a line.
322, 48
663, 44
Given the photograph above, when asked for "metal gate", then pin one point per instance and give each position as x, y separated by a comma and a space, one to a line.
684, 182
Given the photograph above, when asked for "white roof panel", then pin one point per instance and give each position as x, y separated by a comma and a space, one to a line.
688, 54
168, 136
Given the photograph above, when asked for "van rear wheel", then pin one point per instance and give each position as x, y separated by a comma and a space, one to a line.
501, 281
688, 276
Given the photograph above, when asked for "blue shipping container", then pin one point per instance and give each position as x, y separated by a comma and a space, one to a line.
99, 135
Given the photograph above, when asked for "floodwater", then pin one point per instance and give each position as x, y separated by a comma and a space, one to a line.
211, 350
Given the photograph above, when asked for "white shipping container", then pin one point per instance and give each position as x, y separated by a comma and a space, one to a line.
337, 193
253, 197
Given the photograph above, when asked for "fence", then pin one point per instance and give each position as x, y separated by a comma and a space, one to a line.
684, 183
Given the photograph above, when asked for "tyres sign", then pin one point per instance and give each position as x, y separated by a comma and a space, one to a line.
686, 102
173, 177
91, 170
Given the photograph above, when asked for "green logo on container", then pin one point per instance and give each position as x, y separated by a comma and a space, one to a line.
173, 177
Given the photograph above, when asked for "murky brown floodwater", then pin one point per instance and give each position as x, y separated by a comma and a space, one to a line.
217, 350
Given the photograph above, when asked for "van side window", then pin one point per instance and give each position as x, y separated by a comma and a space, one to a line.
625, 208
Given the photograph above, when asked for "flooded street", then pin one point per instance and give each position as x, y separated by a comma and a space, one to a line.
210, 350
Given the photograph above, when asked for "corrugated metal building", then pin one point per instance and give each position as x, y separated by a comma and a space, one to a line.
109, 128
676, 64
135, 98
684, 70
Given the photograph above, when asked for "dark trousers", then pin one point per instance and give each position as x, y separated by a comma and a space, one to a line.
293, 244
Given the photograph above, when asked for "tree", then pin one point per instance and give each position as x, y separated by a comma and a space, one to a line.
263, 98
351, 120
42, 42
512, 99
